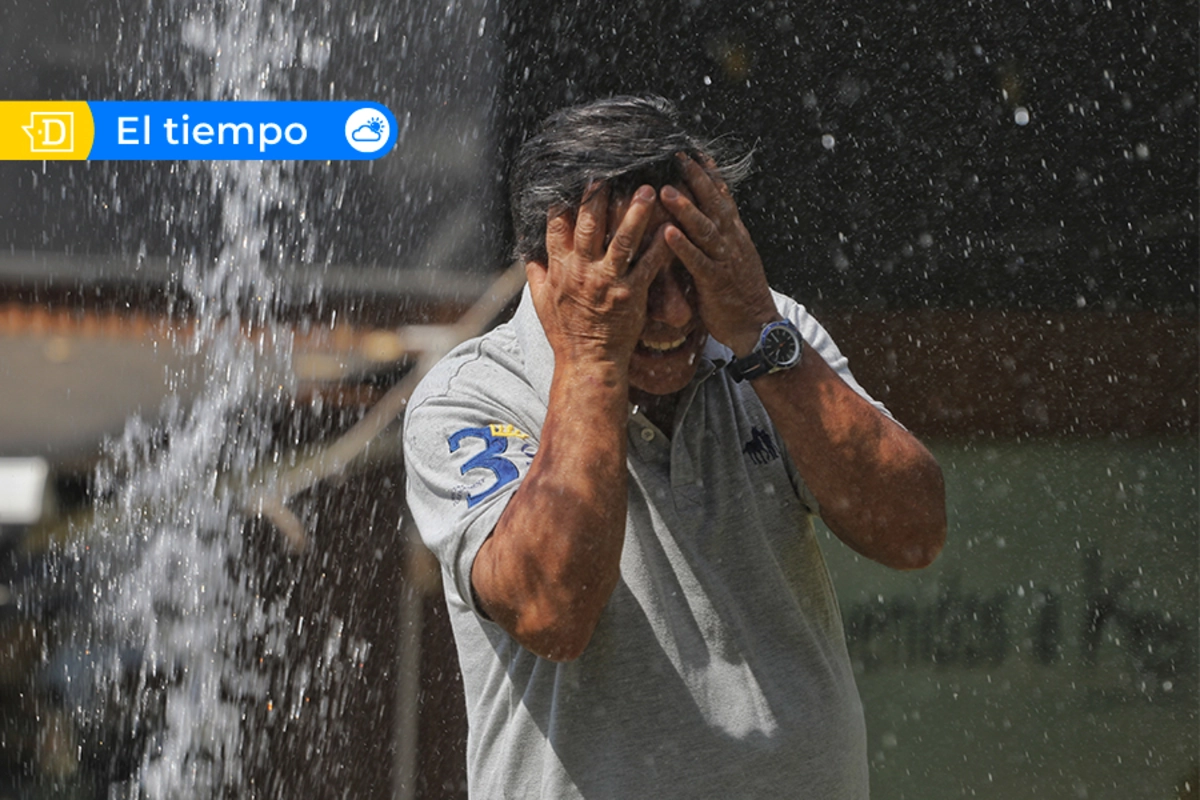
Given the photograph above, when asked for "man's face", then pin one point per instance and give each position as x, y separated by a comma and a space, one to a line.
668, 351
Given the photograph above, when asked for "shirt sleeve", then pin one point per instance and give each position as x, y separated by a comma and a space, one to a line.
465, 452
820, 341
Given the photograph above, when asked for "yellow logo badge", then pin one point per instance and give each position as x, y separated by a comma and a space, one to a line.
45, 131
506, 430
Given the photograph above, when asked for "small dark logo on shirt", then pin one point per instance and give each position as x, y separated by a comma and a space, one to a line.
760, 448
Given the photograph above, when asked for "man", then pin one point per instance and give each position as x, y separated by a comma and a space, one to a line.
619, 486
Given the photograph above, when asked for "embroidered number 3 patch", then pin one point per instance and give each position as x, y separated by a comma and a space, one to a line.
495, 439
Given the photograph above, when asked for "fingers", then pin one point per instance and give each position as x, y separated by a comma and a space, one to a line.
712, 195
699, 227
680, 245
591, 223
587, 236
628, 237
709, 229
560, 234
657, 257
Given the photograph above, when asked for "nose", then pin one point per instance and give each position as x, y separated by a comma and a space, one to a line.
670, 298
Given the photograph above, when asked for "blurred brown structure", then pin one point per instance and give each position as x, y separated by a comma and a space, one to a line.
1014, 373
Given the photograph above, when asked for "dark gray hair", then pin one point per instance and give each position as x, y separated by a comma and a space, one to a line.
624, 141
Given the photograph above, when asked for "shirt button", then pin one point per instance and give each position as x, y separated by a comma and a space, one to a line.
647, 435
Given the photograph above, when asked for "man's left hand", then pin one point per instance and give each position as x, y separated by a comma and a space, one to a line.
715, 247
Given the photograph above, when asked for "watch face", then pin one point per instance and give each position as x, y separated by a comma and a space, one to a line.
780, 347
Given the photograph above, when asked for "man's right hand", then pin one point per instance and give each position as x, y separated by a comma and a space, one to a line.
591, 298
554, 557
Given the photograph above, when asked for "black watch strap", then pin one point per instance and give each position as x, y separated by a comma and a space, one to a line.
749, 368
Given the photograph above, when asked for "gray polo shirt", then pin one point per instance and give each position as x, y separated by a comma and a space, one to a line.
718, 668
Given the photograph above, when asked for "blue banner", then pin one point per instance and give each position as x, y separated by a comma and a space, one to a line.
240, 130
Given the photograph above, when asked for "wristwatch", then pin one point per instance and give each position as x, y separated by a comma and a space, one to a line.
779, 347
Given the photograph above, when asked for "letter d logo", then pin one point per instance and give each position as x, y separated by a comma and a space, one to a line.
51, 131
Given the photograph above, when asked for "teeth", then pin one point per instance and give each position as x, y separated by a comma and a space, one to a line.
662, 347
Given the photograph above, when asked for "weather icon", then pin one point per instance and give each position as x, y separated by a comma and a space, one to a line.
367, 130
371, 132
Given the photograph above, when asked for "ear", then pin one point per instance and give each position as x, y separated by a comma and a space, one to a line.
536, 274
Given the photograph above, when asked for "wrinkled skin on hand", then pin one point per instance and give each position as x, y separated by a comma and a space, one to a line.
713, 243
591, 297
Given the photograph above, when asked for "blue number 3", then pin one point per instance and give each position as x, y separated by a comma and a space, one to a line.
504, 470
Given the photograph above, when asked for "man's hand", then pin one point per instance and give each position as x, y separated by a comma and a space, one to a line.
554, 557
591, 299
878, 488
715, 247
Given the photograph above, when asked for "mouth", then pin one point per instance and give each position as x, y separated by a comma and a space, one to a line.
664, 347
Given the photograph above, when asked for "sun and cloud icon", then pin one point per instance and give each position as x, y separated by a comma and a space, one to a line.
366, 130
371, 132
